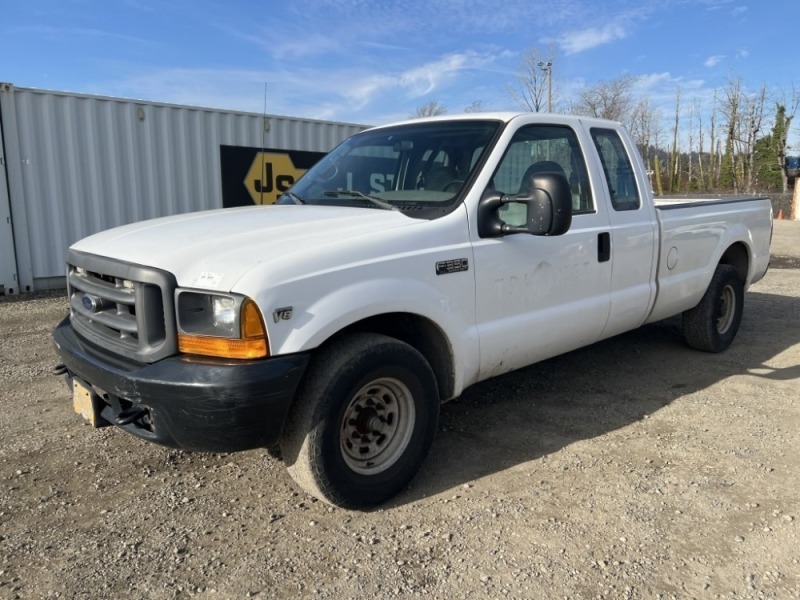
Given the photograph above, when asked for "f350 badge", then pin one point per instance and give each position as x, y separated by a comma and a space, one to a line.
456, 265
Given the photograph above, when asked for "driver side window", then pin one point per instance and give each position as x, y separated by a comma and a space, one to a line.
538, 149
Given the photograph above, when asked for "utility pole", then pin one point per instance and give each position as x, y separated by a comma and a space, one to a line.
547, 67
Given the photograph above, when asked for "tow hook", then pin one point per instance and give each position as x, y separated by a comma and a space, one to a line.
59, 369
129, 415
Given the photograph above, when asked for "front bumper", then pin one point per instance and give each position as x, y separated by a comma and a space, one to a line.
186, 402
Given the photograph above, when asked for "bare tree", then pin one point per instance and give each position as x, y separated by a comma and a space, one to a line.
718, 174
644, 125
675, 155
474, 107
645, 133
659, 189
743, 116
713, 151
431, 108
754, 110
786, 110
731, 110
611, 99
696, 112
533, 83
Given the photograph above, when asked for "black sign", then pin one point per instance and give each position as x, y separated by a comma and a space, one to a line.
260, 175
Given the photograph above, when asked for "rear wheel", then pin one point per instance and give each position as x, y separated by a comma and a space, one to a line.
712, 325
363, 421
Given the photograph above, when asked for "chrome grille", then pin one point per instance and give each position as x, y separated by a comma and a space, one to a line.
124, 308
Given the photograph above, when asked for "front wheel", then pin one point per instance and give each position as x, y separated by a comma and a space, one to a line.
713, 323
363, 421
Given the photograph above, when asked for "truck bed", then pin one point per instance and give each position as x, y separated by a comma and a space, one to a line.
694, 233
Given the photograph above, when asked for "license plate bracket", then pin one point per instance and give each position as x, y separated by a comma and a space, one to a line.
85, 402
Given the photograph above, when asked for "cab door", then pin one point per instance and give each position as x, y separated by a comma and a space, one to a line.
634, 233
538, 297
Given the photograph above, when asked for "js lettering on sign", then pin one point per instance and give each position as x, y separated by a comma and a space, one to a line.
269, 176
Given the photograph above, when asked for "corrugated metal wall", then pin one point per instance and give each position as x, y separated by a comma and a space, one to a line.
78, 164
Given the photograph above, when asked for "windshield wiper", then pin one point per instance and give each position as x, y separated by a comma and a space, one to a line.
294, 197
356, 194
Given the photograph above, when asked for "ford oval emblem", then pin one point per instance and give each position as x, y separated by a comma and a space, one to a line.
90, 303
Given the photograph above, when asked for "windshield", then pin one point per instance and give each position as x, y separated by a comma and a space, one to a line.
415, 166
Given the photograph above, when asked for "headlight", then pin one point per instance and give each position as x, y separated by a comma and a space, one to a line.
224, 325
224, 311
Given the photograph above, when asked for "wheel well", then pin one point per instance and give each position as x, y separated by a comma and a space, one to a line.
420, 333
738, 257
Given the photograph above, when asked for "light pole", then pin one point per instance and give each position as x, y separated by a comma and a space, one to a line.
547, 67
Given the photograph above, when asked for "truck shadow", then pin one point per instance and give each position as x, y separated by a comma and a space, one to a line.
537, 411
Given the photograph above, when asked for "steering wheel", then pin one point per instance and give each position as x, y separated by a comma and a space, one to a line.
455, 182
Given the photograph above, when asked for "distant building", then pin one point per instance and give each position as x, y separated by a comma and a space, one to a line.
74, 164
792, 166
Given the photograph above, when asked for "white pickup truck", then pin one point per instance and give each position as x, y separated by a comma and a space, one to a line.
414, 260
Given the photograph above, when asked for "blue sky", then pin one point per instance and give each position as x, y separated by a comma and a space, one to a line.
374, 62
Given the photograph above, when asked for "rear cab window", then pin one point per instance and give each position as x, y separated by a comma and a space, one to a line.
622, 189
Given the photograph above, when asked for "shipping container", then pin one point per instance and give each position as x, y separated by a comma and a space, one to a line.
74, 164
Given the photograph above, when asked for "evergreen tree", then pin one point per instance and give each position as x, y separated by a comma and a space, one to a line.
768, 171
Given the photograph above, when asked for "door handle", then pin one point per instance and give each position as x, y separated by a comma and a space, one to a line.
603, 247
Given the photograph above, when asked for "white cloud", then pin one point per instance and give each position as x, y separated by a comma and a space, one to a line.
418, 81
73, 33
743, 53
424, 79
694, 84
231, 89
585, 39
715, 4
318, 92
647, 82
713, 61
312, 44
362, 91
287, 47
439, 17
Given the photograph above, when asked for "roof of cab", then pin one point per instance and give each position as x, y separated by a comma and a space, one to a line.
504, 117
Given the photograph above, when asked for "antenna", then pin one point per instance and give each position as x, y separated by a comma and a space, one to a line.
264, 129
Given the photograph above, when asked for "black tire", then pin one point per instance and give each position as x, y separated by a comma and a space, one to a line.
363, 421
712, 325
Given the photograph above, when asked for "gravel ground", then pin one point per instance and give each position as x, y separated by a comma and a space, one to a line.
635, 468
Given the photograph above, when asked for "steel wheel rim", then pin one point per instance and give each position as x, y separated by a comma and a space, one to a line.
726, 309
377, 425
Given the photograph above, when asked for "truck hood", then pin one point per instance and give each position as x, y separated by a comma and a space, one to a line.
214, 249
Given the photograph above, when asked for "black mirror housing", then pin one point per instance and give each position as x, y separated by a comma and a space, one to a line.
548, 205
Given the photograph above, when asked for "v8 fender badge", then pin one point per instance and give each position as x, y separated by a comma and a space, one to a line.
282, 314
456, 265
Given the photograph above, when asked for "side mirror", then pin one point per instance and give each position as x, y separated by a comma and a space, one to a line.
546, 210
